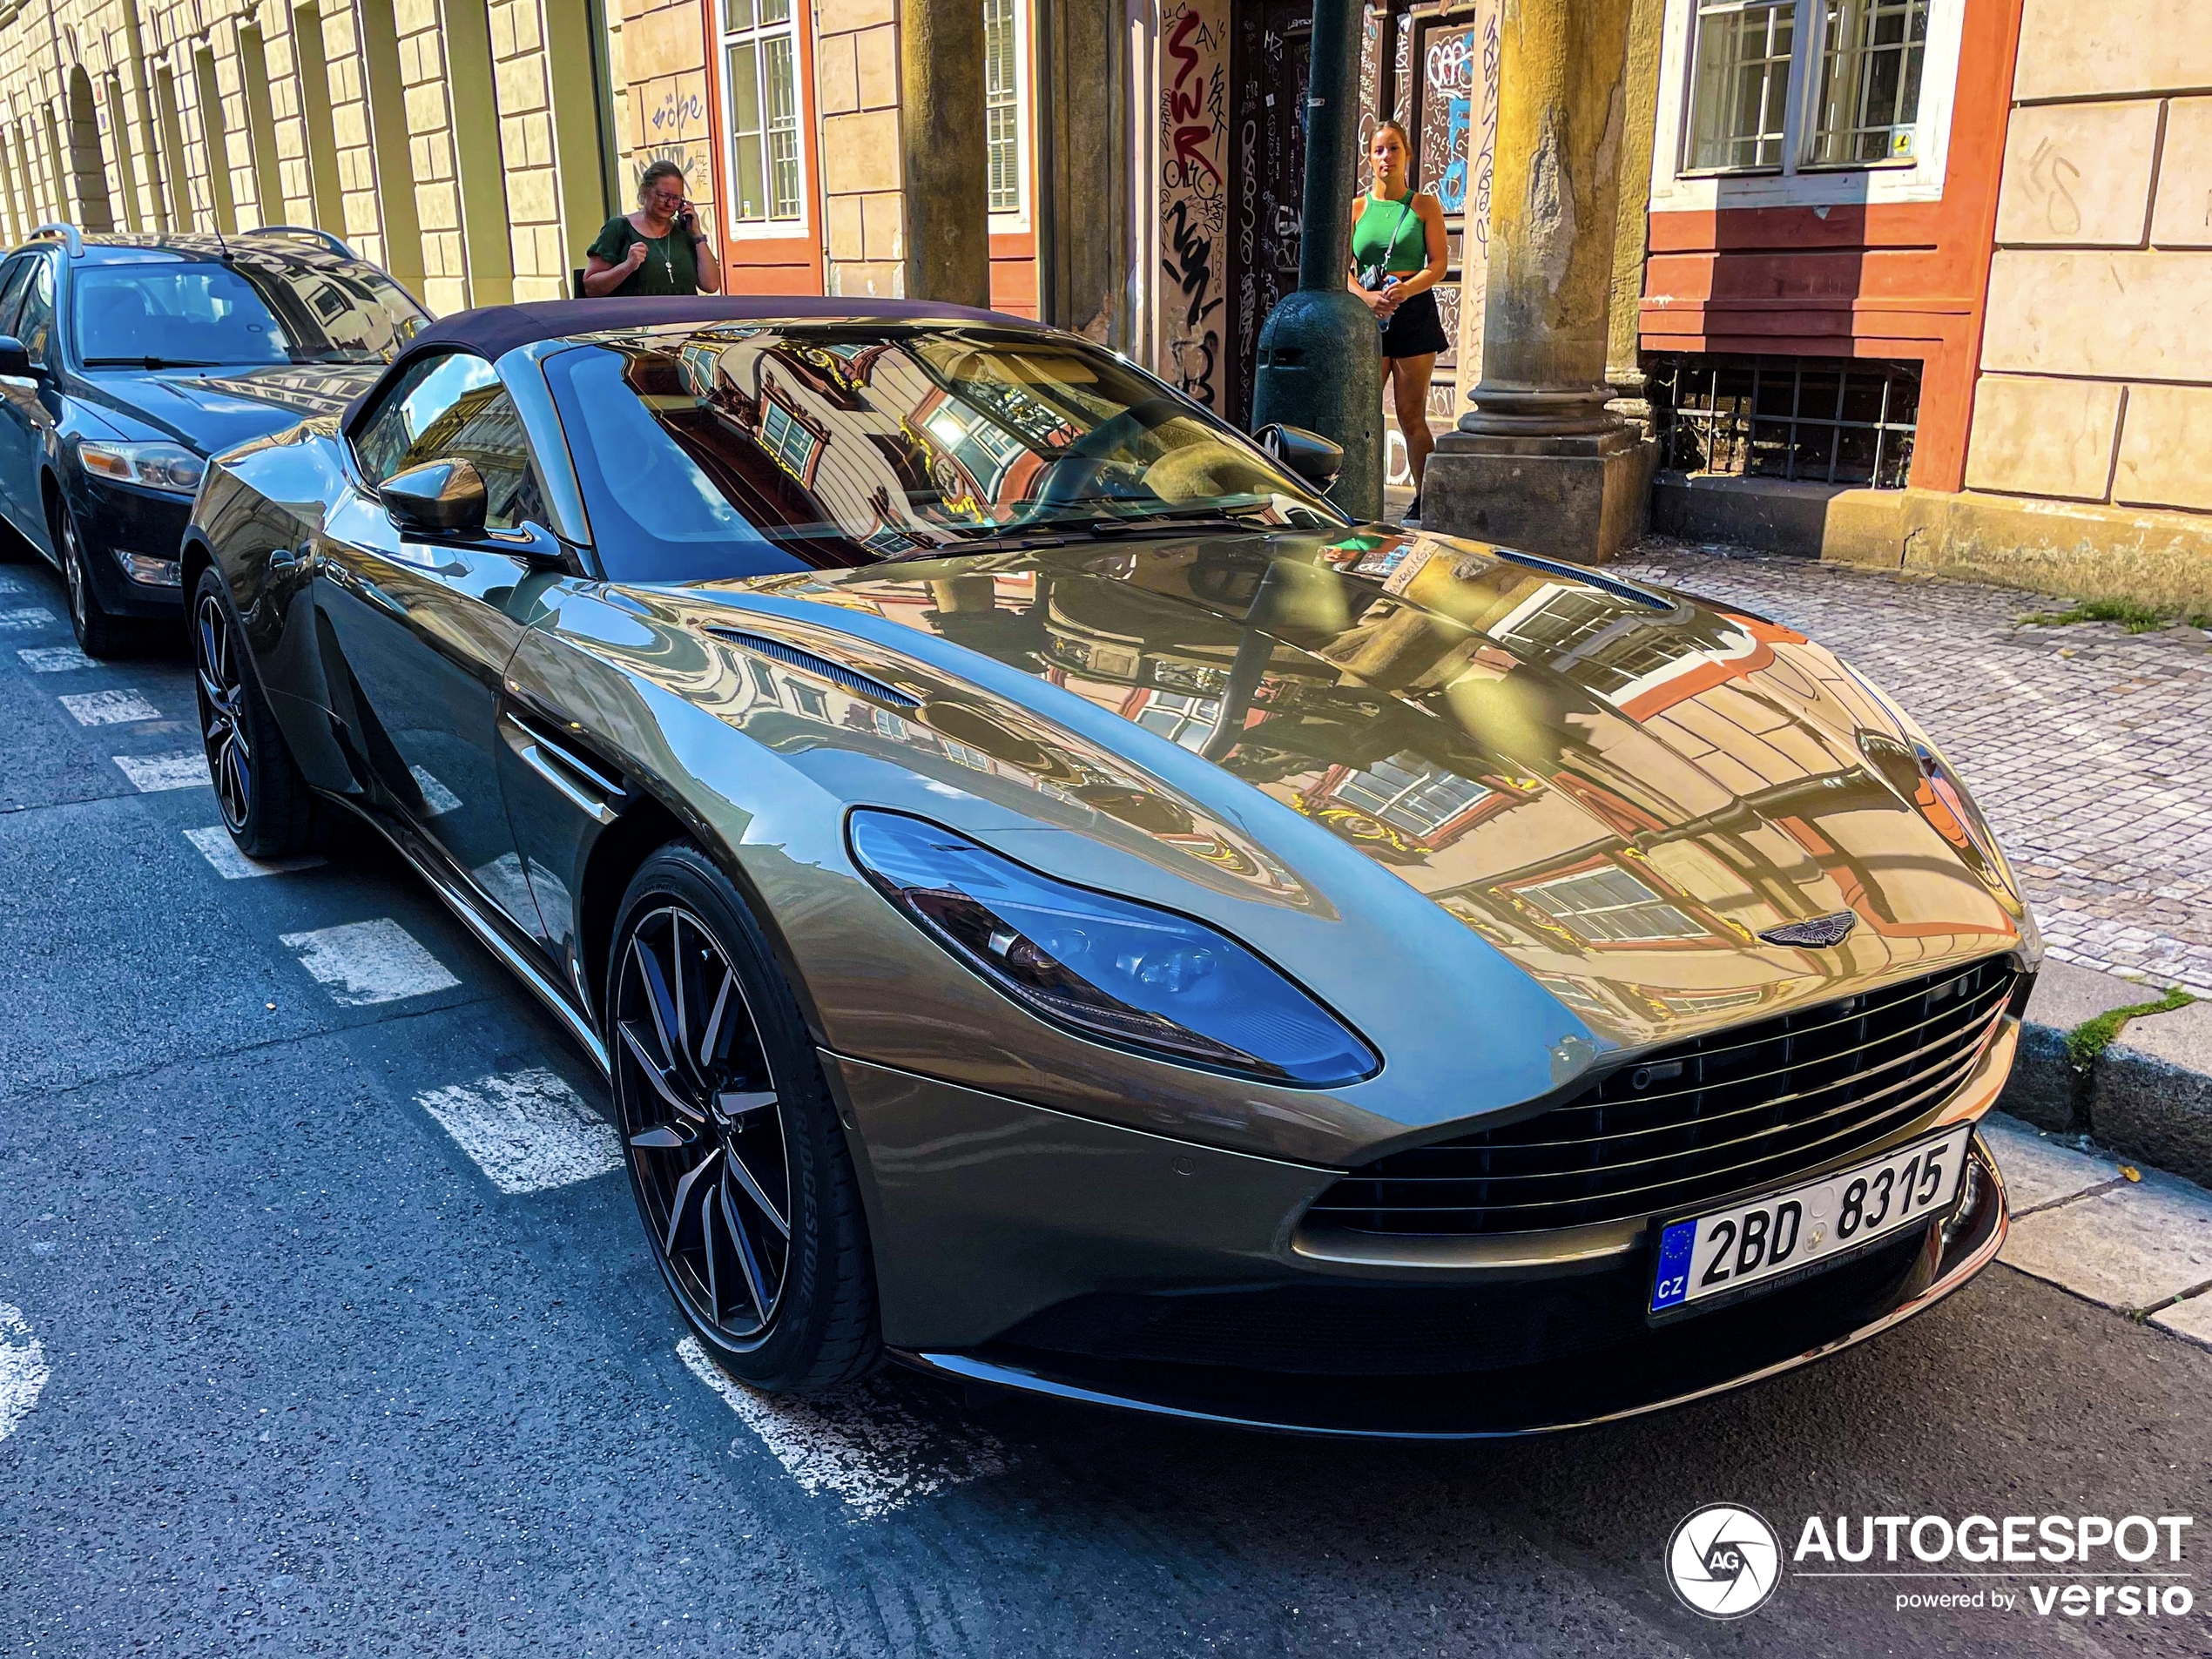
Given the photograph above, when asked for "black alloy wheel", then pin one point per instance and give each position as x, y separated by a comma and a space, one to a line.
98, 633
735, 1157
267, 805
222, 696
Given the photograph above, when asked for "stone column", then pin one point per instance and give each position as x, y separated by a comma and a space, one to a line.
1538, 462
944, 153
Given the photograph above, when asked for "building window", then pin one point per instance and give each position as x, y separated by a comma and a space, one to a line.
792, 444
1869, 82
1186, 720
1003, 104
1817, 420
760, 91
1853, 100
1610, 907
1742, 83
1407, 795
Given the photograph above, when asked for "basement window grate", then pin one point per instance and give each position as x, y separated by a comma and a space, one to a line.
1812, 419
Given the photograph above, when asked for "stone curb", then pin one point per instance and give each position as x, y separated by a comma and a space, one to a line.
2149, 1096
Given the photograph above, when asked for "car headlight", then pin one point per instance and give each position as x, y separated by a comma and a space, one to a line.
1108, 968
168, 466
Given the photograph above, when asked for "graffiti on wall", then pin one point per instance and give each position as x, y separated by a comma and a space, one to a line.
1194, 197
675, 129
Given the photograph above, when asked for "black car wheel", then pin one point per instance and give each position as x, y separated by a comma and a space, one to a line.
98, 633
267, 805
736, 1156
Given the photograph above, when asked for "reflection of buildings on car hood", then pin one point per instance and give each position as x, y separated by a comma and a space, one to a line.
1619, 795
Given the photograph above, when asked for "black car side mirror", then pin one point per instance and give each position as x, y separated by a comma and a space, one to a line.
437, 498
15, 362
1309, 455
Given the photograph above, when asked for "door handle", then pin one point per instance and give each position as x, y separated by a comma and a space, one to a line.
286, 560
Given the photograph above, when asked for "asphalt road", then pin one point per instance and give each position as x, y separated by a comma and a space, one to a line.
315, 1382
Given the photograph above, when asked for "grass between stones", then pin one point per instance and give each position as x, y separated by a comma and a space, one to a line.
2092, 1037
2136, 618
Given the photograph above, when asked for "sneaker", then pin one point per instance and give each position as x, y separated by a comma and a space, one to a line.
1412, 520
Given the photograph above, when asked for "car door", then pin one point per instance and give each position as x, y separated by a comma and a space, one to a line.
415, 631
27, 311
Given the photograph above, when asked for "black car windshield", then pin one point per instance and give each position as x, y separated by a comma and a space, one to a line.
743, 448
257, 306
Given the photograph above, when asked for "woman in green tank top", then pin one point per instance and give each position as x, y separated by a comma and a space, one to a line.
1398, 255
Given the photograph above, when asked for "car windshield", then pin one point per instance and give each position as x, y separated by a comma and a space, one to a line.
741, 448
257, 306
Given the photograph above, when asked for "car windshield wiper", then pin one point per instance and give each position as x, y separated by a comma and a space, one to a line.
151, 363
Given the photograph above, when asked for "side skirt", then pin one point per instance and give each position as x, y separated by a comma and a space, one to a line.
573, 1019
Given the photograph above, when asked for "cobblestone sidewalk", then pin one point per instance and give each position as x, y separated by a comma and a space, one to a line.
2090, 749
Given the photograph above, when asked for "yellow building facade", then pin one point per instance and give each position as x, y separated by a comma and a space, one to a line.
471, 148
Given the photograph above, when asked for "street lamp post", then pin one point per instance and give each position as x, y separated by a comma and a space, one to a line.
1320, 364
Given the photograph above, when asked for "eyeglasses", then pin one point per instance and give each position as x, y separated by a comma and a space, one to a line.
670, 197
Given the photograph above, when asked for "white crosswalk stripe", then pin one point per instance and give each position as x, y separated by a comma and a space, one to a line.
152, 773
862, 1444
54, 659
16, 622
109, 708
364, 962
23, 1368
216, 846
527, 1131
437, 800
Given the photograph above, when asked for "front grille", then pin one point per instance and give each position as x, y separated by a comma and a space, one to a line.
1746, 1107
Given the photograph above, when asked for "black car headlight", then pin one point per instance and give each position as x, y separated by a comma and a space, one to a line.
169, 467
1106, 967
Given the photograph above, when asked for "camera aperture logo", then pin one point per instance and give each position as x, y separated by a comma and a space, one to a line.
1723, 1560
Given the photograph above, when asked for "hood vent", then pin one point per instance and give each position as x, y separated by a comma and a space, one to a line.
806, 662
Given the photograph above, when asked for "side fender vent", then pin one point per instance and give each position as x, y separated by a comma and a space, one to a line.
846, 678
588, 782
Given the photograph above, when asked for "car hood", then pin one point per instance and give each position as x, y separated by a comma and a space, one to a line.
1617, 789
213, 409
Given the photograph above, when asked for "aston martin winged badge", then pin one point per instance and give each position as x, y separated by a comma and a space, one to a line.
1820, 932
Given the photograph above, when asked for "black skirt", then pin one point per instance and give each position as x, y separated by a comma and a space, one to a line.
1414, 328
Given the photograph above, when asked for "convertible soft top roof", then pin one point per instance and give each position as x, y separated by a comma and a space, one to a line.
491, 331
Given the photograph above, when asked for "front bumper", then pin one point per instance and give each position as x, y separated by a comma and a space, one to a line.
143, 521
1671, 1367
1035, 1251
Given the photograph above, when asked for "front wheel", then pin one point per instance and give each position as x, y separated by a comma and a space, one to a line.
735, 1157
267, 805
100, 632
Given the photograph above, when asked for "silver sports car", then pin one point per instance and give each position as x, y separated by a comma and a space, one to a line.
1061, 907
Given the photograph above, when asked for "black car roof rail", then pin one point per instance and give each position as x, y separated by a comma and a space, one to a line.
311, 232
71, 238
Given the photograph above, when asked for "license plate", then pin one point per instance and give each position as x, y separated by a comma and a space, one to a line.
1786, 1231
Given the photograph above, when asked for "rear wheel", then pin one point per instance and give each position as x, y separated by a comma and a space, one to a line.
99, 633
267, 805
739, 1165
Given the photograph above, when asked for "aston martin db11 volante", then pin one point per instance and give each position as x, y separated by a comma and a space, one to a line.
1061, 908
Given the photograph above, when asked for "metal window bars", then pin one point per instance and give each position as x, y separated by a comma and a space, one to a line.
1814, 420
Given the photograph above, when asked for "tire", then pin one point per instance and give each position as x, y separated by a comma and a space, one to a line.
99, 633
267, 805
729, 1134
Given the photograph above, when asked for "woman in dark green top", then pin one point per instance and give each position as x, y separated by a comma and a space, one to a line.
1398, 255
661, 248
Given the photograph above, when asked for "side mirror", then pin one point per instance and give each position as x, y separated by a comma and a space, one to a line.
437, 498
15, 362
1309, 455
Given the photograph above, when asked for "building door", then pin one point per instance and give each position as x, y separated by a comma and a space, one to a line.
1274, 49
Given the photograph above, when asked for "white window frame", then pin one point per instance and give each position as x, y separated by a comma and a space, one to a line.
1676, 187
766, 229
1015, 221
